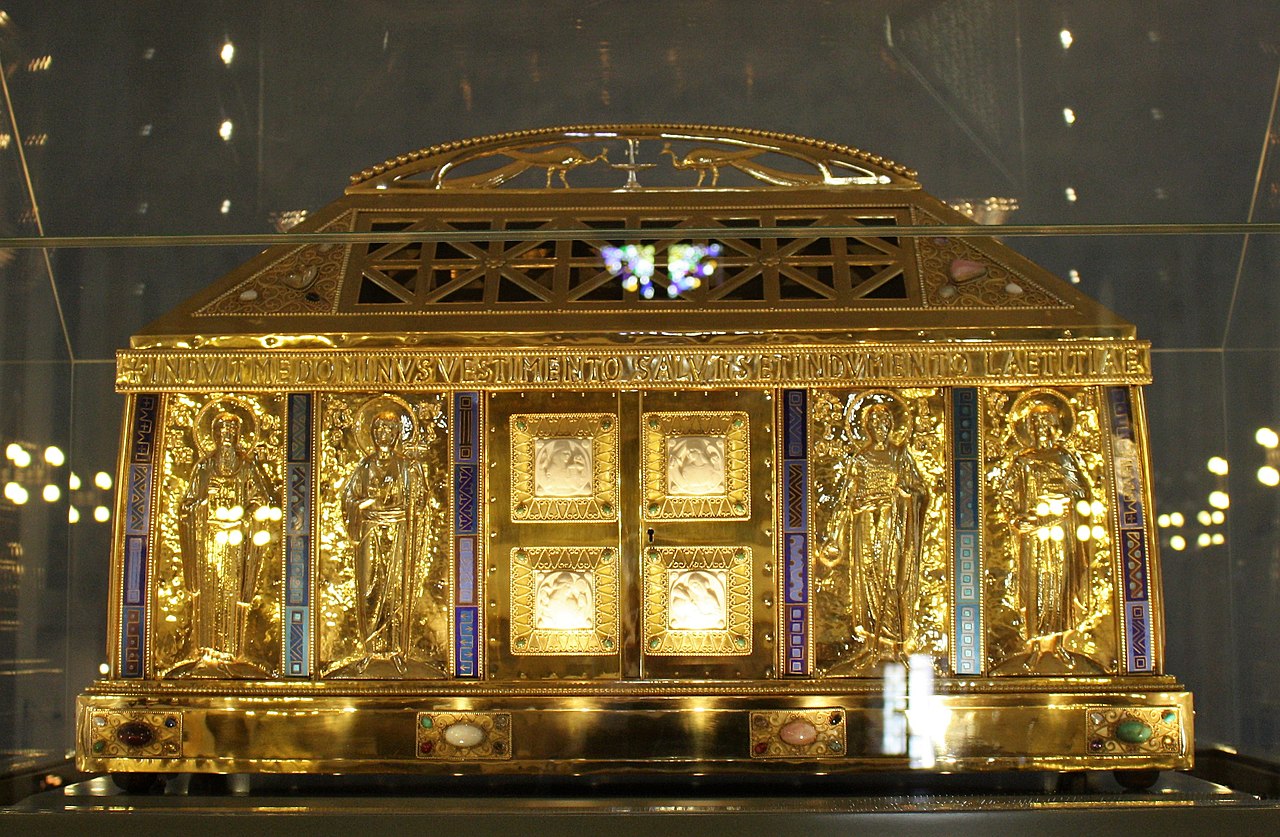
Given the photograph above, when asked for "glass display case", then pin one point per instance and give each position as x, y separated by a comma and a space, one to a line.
1129, 151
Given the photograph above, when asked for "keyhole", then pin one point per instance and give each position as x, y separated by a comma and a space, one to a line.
650, 536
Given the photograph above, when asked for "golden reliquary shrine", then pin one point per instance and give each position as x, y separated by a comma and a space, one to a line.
629, 447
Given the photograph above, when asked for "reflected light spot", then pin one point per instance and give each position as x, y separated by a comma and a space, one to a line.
21, 458
1203, 539
1266, 437
1177, 543
1176, 519
1217, 518
1204, 518
101, 514
225, 209
1066, 39
1074, 276
104, 669
1042, 509
1085, 509
220, 538
15, 493
54, 456
1219, 499
73, 514
1217, 465
1268, 475
1099, 533
1162, 521
1082, 531
51, 493
1218, 539
103, 480
261, 537
225, 129
12, 450
1057, 533
261, 513
1068, 116
276, 513
1070, 193
228, 53
235, 538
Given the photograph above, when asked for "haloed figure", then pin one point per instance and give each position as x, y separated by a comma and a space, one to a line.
1042, 489
382, 504
876, 527
221, 551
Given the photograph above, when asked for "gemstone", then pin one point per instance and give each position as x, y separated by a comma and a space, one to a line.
499, 747
171, 722
463, 735
1133, 732
135, 734
1169, 716
835, 746
501, 721
606, 509
947, 291
963, 270
607, 644
737, 422
835, 718
606, 424
653, 508
798, 733
521, 425
99, 746
426, 747
760, 721
249, 295
740, 642
739, 508
1095, 745
760, 748
100, 721
655, 643
1013, 289
426, 722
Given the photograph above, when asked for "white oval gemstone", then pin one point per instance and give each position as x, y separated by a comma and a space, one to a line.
463, 735
798, 733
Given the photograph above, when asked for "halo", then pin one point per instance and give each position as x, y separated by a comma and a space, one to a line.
1040, 398
382, 404
858, 405
202, 427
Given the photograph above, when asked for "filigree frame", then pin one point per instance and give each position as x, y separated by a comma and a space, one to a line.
527, 638
732, 640
601, 430
734, 503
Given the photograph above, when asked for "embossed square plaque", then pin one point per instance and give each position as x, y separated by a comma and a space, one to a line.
564, 467
564, 600
697, 600
697, 466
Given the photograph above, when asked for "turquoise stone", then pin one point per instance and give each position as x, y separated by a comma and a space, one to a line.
1133, 732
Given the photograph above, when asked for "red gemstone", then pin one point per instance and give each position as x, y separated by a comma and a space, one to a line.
426, 747
135, 734
761, 748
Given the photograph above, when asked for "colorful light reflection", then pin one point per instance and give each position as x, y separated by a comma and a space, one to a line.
687, 266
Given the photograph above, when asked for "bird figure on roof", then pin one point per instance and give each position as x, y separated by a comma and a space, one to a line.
557, 160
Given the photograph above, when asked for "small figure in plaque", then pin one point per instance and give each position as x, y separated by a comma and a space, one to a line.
562, 467
698, 601
695, 466
384, 506
223, 527
564, 602
875, 531
1043, 490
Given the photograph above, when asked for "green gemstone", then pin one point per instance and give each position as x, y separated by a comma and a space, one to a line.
606, 508
653, 508
740, 642
607, 643
99, 746
606, 424
426, 722
1133, 732
520, 425
655, 643
654, 423
1169, 716
737, 422
520, 642
739, 508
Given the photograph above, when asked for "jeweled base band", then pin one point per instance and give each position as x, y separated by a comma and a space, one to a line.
538, 729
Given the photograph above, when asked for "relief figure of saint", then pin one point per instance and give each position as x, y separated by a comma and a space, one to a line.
223, 532
874, 533
384, 505
1042, 489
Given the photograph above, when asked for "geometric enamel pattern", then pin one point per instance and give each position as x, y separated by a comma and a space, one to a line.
1132, 543
467, 485
795, 530
966, 557
137, 545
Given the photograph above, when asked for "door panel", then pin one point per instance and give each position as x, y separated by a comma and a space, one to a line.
707, 547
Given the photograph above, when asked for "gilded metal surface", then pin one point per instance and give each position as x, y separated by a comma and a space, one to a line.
564, 600
1049, 558
218, 571
696, 465
382, 564
398, 171
880, 519
550, 732
1133, 730
154, 734
697, 600
866, 364
564, 466
433, 734
828, 726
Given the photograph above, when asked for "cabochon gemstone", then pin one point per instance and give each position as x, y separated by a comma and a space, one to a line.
1133, 732
463, 735
798, 733
963, 270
